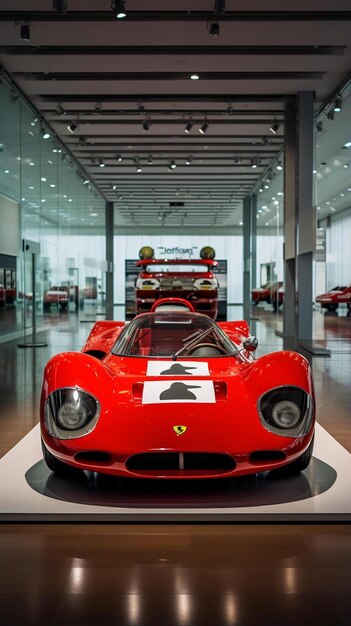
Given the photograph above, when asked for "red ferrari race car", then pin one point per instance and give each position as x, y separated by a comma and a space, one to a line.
173, 395
189, 279
334, 297
265, 293
58, 296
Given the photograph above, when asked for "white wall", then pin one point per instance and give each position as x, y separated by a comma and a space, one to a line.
10, 242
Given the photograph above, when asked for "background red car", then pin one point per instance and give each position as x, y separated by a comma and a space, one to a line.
334, 297
58, 296
265, 293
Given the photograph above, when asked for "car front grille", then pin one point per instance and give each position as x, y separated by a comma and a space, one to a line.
187, 461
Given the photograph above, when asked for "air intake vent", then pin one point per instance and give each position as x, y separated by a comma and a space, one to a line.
180, 461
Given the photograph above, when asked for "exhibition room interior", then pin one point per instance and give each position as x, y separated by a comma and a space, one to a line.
176, 126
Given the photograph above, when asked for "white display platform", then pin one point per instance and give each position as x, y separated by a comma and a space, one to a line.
30, 492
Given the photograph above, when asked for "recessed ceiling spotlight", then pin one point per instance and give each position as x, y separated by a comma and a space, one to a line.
338, 104
274, 127
213, 28
25, 32
119, 6
72, 127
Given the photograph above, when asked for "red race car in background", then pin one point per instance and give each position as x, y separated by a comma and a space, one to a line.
334, 297
190, 279
265, 293
173, 395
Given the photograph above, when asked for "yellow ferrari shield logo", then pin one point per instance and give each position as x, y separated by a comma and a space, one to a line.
179, 430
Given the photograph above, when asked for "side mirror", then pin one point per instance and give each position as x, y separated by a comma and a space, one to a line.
250, 344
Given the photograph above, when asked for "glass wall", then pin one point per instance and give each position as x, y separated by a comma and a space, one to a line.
61, 223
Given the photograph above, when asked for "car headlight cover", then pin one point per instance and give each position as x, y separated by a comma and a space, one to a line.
286, 411
71, 413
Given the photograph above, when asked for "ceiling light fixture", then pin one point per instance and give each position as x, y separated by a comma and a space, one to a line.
213, 28
149, 160
72, 127
173, 165
60, 6
188, 127
119, 158
194, 76
25, 32
146, 125
253, 163
279, 166
338, 104
274, 127
188, 160
119, 6
319, 127
219, 7
203, 128
330, 115
45, 134
101, 163
60, 110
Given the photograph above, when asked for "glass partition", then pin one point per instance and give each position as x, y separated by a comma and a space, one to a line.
59, 213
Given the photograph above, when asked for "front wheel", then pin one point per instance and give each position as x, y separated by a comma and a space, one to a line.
332, 306
299, 464
54, 464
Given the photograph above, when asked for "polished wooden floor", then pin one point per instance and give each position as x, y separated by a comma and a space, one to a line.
175, 574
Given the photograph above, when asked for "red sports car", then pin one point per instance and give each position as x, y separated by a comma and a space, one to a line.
58, 296
190, 279
265, 293
334, 297
174, 395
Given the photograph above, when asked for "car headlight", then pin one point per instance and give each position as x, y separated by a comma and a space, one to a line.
71, 413
286, 411
147, 283
209, 284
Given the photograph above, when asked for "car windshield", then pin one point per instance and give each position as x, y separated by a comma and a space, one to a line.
167, 334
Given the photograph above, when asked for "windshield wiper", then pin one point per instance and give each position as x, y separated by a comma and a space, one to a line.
193, 342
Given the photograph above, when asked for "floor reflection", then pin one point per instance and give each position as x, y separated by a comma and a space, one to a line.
259, 490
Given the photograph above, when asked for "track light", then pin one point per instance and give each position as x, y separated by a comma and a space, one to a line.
25, 32
203, 128
60, 110
101, 163
119, 6
149, 160
319, 127
254, 163
219, 7
72, 127
146, 125
139, 169
188, 160
330, 114
279, 166
274, 128
188, 127
172, 166
213, 28
338, 104
60, 6
45, 134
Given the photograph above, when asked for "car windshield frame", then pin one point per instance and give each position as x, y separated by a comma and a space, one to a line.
169, 332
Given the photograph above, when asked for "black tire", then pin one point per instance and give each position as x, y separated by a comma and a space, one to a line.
299, 464
349, 306
255, 302
332, 306
46, 307
54, 464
